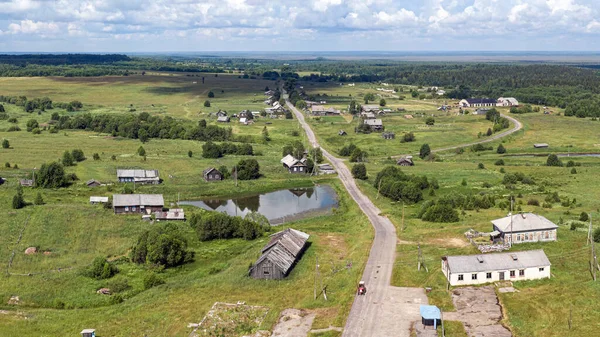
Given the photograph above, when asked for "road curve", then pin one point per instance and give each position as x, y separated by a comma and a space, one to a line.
362, 320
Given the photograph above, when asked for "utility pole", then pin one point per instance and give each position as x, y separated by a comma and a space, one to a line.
419, 263
235, 176
402, 229
571, 316
316, 272
442, 319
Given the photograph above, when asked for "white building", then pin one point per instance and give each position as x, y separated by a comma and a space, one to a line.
507, 101
477, 102
524, 227
479, 269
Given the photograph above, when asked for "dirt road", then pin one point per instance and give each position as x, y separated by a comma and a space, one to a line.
372, 315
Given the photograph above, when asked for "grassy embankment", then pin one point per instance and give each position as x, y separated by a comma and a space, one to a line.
62, 303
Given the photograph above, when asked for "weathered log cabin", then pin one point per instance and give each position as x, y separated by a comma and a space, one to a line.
279, 255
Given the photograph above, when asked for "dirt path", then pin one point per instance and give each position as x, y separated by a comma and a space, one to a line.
385, 310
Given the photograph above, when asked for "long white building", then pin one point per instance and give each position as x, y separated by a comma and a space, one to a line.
485, 268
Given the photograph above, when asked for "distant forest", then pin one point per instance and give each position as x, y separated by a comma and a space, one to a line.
574, 87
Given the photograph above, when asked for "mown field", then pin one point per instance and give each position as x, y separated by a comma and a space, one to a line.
58, 300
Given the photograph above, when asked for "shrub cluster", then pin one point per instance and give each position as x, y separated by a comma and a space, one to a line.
513, 178
163, 245
396, 185
212, 150
214, 225
101, 269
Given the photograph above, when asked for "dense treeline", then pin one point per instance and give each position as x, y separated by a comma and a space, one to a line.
143, 127
61, 59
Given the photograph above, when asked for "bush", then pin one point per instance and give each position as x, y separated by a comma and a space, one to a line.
573, 171
533, 202
13, 128
248, 169
101, 269
359, 171
499, 162
464, 182
212, 225
39, 200
51, 175
553, 161
67, 159
408, 137
481, 147
207, 104
18, 200
211, 150
118, 285
574, 225
78, 155
425, 151
211, 94
347, 150
480, 166
163, 245
570, 163
596, 235
141, 151
5, 144
96, 156
440, 213
152, 280
429, 121
500, 149
358, 156
584, 217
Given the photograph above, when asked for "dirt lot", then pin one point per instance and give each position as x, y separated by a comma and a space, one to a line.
478, 309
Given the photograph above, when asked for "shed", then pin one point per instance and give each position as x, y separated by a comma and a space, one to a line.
212, 174
430, 315
405, 161
540, 145
279, 255
93, 183
26, 182
388, 135
88, 333
98, 200
223, 119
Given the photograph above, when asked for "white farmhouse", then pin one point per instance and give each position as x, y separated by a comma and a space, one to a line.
507, 101
524, 227
478, 269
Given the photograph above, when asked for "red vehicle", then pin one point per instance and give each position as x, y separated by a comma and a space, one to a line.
361, 288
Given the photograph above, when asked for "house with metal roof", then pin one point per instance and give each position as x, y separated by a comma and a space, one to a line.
371, 108
507, 101
138, 176
524, 227
279, 255
137, 203
374, 124
98, 200
485, 268
477, 102
405, 161
294, 165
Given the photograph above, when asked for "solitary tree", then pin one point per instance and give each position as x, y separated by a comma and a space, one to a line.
207, 104
18, 201
211, 94
425, 151
67, 159
78, 155
96, 156
359, 171
265, 134
141, 151
489, 132
553, 161
430, 121
382, 102
38, 199
500, 149
369, 97
190, 153
51, 175
5, 144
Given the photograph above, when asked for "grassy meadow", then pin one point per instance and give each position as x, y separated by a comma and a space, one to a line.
57, 300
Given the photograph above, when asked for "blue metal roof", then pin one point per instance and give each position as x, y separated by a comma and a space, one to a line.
430, 312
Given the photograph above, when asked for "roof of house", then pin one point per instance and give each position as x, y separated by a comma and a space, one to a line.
497, 261
243, 120
538, 145
523, 222
481, 100
511, 100
92, 181
222, 119
26, 182
317, 108
138, 200
368, 107
283, 248
209, 170
373, 122
290, 161
430, 312
136, 173
88, 330
98, 199
171, 214
405, 159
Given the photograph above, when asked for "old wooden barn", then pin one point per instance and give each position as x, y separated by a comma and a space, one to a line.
279, 255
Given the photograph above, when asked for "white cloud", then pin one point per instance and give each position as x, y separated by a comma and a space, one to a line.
33, 27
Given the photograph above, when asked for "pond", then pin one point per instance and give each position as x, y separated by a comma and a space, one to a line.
279, 206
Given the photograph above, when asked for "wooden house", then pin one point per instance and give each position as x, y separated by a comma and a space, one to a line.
98, 200
88, 333
212, 174
374, 124
294, 165
137, 203
170, 215
524, 227
138, 176
405, 161
93, 183
280, 255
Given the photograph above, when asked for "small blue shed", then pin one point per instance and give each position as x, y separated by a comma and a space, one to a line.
431, 315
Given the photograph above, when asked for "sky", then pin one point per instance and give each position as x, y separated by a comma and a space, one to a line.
298, 25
